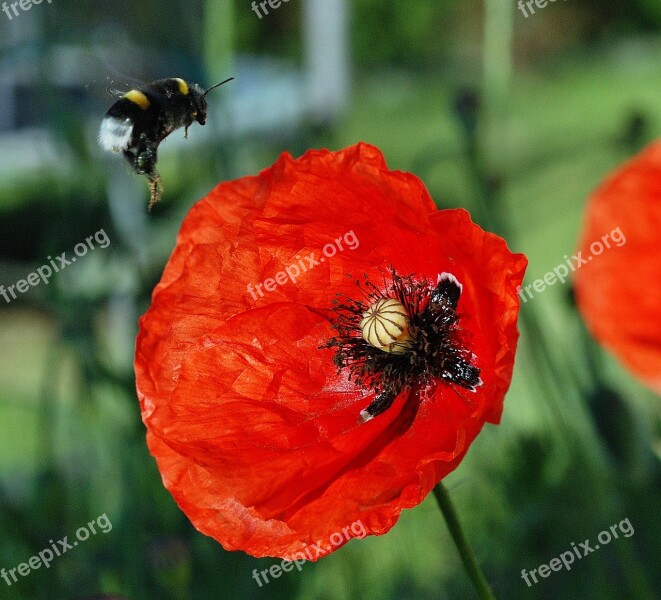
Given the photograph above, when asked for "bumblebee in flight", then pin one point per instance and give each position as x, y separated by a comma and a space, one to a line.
142, 118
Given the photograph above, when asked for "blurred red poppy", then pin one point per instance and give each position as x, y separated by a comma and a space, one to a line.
276, 432
617, 290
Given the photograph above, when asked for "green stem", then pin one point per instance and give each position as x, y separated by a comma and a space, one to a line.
460, 540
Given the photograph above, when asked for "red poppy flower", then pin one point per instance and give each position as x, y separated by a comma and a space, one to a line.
617, 290
275, 422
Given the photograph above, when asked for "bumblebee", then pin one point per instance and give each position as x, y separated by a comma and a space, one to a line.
142, 118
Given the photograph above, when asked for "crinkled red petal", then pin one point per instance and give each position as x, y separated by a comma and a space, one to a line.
617, 290
254, 431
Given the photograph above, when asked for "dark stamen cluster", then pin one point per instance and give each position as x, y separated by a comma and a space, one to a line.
435, 352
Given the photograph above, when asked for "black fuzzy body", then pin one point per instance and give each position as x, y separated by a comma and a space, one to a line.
172, 103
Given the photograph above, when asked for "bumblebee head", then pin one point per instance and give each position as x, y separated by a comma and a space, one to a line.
198, 104
198, 98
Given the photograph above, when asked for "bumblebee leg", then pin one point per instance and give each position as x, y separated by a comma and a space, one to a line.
147, 163
144, 163
155, 188
132, 158
142, 156
146, 157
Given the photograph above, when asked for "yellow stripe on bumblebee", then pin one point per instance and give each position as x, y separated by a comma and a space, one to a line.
137, 97
183, 86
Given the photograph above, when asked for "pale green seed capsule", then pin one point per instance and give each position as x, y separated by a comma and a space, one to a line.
386, 325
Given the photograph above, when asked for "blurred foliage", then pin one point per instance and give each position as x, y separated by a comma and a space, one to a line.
275, 34
404, 33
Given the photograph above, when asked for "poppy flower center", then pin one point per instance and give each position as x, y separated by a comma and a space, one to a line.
401, 334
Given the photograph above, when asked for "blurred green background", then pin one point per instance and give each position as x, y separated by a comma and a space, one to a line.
515, 118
